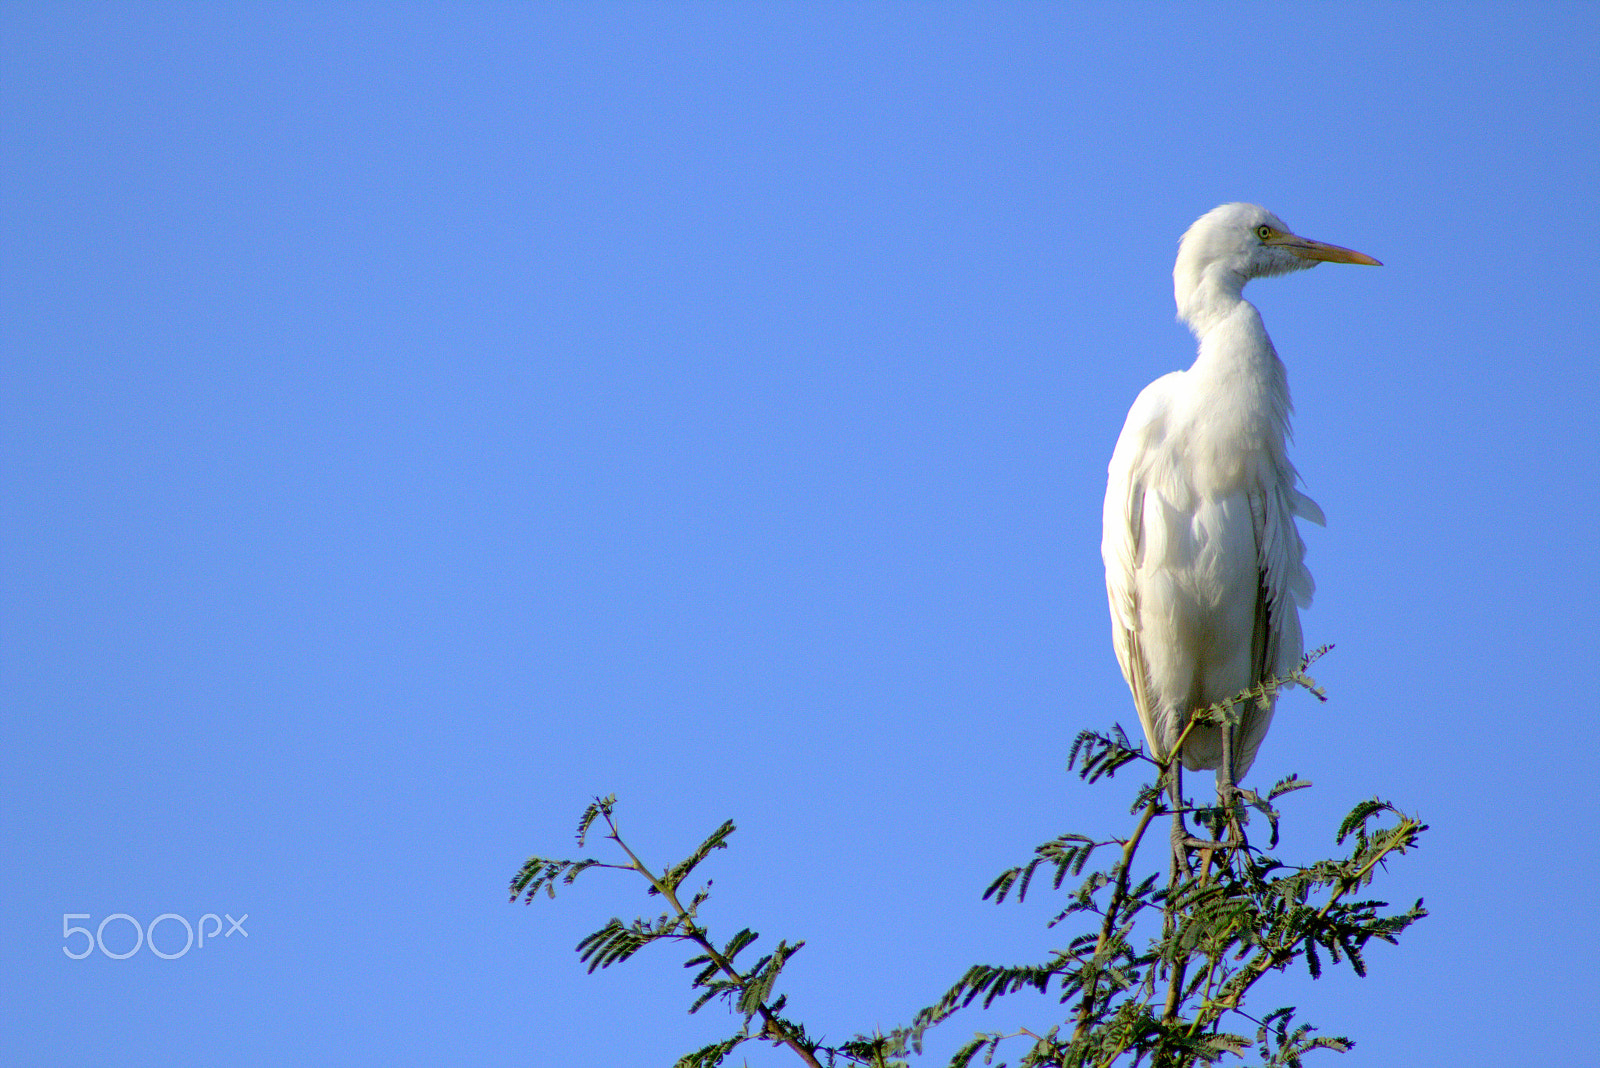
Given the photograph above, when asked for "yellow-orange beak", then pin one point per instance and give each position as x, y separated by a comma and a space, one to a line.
1308, 249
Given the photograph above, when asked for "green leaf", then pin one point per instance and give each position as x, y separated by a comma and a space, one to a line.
712, 1055
1285, 785
601, 806
678, 872
612, 944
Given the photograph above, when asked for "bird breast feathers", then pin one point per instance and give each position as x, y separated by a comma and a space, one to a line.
1167, 481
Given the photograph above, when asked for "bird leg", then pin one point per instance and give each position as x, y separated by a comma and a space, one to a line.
1180, 833
1227, 792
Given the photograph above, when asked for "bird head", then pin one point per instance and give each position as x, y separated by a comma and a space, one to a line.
1231, 244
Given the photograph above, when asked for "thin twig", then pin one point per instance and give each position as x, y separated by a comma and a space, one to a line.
1118, 896
772, 1026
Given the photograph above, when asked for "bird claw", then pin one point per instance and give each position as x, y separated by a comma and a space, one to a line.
1231, 800
1201, 843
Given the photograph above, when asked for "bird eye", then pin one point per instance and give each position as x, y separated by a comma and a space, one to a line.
1264, 232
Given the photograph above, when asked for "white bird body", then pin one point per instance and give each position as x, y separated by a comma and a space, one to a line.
1205, 568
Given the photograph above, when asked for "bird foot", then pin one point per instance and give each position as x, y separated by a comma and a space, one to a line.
1201, 843
1180, 851
1231, 802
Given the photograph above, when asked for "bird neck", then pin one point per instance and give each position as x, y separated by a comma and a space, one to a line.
1240, 385
1233, 339
1207, 292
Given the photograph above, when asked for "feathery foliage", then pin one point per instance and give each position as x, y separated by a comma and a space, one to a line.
1157, 974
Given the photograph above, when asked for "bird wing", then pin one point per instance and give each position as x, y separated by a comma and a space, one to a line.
1280, 552
1284, 586
1122, 542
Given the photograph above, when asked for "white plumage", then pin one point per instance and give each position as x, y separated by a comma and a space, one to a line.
1205, 569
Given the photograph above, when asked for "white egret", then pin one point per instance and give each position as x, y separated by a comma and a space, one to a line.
1205, 568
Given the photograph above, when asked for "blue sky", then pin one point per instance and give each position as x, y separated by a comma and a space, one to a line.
422, 418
